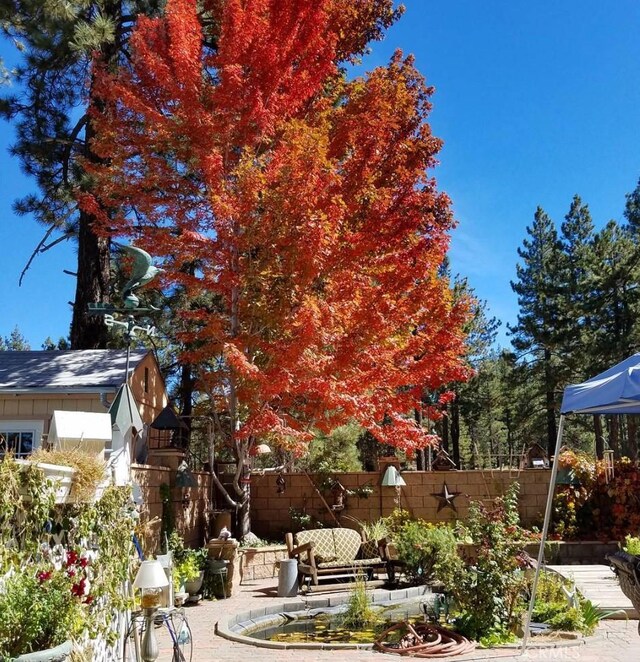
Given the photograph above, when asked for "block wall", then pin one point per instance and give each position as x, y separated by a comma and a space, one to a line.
190, 506
270, 511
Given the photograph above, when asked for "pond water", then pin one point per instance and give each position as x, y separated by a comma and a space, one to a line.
325, 626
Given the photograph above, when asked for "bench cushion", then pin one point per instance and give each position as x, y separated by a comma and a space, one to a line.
324, 546
356, 563
333, 545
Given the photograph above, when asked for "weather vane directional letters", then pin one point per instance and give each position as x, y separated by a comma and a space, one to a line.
142, 273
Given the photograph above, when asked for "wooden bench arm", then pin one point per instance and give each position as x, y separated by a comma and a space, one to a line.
301, 549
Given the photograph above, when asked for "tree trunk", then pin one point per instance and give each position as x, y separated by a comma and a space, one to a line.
632, 432
550, 403
420, 456
445, 432
455, 431
243, 523
186, 402
597, 428
94, 275
92, 286
614, 435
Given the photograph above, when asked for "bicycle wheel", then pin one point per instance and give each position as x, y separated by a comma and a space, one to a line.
181, 636
131, 650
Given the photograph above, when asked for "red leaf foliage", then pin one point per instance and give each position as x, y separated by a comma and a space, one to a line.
302, 203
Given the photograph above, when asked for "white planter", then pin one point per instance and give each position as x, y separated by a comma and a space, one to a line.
61, 477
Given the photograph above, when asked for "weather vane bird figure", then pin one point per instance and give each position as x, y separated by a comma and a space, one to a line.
142, 272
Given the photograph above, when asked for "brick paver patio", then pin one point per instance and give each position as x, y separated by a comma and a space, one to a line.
615, 641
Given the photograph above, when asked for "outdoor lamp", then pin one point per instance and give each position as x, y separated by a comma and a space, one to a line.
150, 579
392, 478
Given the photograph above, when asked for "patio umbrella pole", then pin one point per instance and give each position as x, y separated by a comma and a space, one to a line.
545, 530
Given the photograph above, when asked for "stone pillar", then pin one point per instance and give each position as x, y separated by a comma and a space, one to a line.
227, 550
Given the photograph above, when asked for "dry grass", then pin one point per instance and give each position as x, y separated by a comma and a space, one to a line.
90, 471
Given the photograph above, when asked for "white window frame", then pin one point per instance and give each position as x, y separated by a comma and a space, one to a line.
36, 427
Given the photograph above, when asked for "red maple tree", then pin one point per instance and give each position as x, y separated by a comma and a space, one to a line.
301, 200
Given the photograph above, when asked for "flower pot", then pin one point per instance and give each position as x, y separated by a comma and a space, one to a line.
57, 654
193, 587
61, 477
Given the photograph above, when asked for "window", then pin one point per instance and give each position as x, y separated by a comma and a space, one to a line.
20, 437
146, 380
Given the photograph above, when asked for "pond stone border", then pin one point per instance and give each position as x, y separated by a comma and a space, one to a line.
238, 626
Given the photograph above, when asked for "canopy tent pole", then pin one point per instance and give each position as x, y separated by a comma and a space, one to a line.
545, 530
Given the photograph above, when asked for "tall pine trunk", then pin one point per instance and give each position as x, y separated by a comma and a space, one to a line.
632, 439
93, 273
597, 428
550, 397
455, 432
92, 285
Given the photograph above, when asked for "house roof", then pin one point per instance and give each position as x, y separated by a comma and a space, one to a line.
66, 370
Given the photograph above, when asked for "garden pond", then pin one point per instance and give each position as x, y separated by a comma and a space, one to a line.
326, 625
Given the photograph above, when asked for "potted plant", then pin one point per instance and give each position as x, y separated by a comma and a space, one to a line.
43, 607
188, 565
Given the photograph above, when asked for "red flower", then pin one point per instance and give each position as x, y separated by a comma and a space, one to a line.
72, 558
44, 576
79, 588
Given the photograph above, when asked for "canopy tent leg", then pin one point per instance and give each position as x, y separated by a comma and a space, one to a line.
545, 530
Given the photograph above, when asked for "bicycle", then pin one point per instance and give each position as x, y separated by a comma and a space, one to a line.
179, 633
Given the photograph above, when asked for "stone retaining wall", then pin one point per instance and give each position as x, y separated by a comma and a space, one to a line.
271, 518
190, 506
260, 562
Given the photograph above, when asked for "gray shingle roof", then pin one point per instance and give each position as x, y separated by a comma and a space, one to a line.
66, 369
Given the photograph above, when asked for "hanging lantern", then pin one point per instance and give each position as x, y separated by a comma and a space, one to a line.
338, 490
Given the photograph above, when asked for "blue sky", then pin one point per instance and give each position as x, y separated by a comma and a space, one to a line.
535, 102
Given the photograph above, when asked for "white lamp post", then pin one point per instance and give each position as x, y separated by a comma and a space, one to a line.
150, 579
392, 478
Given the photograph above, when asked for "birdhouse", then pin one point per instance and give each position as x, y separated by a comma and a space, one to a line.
442, 461
534, 457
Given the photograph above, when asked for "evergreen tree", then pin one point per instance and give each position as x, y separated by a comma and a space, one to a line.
50, 345
576, 240
481, 333
535, 335
632, 212
58, 41
15, 342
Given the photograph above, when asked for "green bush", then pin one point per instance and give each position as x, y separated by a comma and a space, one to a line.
632, 545
39, 611
489, 593
429, 553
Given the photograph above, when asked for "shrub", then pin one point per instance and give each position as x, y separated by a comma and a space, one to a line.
359, 613
429, 552
489, 593
39, 611
632, 545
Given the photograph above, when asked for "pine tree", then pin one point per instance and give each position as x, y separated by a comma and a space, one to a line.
577, 235
15, 342
535, 335
632, 212
57, 41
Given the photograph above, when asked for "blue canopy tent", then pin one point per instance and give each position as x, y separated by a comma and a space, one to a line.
614, 391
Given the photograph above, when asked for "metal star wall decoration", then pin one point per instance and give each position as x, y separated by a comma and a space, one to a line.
446, 498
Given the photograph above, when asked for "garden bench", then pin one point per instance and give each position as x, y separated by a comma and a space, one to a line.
333, 554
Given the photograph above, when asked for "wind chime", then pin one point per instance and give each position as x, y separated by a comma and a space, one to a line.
607, 456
